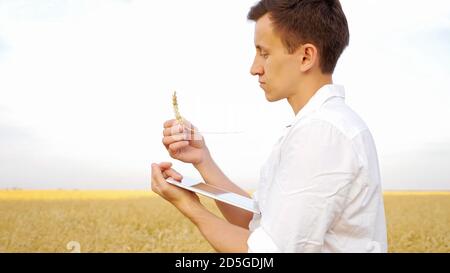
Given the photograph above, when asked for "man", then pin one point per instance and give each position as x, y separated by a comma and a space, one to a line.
319, 190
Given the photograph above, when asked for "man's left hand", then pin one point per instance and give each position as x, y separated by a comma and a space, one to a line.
177, 196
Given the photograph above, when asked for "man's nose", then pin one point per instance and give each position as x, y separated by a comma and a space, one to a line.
256, 69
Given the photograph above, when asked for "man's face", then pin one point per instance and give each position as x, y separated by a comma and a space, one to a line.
279, 72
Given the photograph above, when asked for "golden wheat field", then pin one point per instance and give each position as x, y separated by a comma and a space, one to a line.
139, 221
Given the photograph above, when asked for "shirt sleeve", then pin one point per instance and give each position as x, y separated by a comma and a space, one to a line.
316, 168
260, 241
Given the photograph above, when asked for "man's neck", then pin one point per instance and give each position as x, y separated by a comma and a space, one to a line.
309, 88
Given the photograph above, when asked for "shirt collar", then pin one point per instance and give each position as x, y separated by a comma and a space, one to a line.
322, 95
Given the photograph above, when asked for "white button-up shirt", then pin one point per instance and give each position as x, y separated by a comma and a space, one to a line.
320, 189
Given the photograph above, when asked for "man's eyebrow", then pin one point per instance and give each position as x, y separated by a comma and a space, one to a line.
260, 47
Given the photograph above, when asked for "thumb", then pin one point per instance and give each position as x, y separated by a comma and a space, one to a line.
156, 171
165, 165
174, 174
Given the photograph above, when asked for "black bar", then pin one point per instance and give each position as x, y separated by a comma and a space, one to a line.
211, 262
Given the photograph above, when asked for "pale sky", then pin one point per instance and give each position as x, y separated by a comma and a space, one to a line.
85, 87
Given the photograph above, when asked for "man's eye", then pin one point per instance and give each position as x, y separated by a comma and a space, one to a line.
264, 55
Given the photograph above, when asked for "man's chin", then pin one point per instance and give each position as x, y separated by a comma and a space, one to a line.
270, 98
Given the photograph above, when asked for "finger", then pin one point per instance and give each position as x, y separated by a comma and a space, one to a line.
156, 176
165, 165
171, 139
192, 130
174, 147
187, 123
170, 123
173, 130
194, 133
174, 174
156, 171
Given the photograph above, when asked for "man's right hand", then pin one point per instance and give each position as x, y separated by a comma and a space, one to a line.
184, 143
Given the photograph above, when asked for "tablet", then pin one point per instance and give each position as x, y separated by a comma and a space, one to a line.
198, 186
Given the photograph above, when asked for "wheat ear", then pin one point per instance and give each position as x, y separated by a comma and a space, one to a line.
178, 117
175, 108
180, 121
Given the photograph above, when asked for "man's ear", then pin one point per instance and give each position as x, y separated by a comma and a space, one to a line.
308, 56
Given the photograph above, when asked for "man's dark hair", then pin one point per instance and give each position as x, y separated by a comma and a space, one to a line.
320, 22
